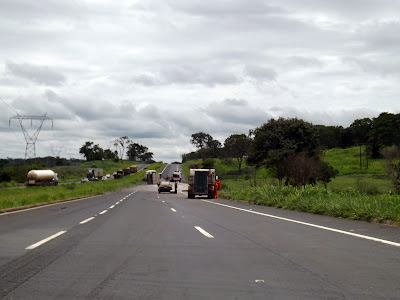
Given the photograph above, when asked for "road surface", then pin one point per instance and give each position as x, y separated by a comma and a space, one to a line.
170, 169
138, 244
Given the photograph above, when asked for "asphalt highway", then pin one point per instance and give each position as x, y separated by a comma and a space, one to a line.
138, 244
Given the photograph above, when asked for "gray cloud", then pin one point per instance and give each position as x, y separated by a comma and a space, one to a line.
261, 73
158, 71
38, 74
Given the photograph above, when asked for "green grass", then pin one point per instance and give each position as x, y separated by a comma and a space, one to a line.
347, 161
365, 194
10, 198
351, 204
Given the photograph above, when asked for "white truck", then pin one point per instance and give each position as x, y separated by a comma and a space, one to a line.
42, 178
177, 176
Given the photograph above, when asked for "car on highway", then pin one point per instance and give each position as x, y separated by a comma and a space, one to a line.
165, 186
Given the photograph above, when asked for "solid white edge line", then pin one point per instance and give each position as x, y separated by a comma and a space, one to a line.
164, 168
204, 232
45, 240
87, 220
173, 209
103, 212
312, 225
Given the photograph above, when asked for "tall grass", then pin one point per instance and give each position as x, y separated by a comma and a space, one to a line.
351, 204
10, 198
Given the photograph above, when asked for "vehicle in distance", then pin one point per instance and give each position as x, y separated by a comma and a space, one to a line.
165, 186
42, 178
177, 176
119, 174
94, 174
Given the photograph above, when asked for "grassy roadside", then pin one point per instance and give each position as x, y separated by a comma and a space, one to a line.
358, 194
352, 204
11, 198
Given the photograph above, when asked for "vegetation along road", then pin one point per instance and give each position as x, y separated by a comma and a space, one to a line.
138, 244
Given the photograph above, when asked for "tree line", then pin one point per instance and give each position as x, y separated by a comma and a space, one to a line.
291, 148
134, 151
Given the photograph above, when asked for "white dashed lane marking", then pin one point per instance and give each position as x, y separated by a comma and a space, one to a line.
204, 232
173, 209
87, 220
33, 246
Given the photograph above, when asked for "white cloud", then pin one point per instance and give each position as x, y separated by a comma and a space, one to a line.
158, 71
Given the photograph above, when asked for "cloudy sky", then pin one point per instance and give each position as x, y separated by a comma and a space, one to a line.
158, 71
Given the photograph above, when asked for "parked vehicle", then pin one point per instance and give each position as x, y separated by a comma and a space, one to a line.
94, 174
201, 182
127, 171
134, 168
42, 178
165, 186
119, 174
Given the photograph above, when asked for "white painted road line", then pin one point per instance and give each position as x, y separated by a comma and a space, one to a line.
45, 240
112, 206
103, 212
312, 225
204, 232
173, 209
87, 220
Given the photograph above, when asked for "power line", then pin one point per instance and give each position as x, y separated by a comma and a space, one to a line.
9, 106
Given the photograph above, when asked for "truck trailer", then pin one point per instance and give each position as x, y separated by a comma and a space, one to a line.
152, 177
201, 182
42, 178
94, 174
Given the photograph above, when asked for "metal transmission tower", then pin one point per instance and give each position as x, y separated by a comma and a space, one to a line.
30, 151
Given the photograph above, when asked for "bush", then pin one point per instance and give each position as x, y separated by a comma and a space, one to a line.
208, 163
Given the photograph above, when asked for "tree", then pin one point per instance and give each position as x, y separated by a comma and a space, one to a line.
329, 136
136, 151
200, 139
237, 146
120, 144
91, 152
392, 157
326, 173
277, 139
86, 150
361, 131
108, 154
300, 169
147, 157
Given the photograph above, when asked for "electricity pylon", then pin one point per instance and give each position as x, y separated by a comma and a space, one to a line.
30, 150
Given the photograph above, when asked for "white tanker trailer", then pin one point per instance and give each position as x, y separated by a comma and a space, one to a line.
42, 178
